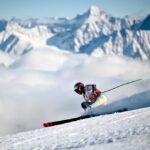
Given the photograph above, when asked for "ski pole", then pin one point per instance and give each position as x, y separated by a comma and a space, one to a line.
121, 85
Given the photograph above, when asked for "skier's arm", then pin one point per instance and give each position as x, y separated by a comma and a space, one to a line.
96, 91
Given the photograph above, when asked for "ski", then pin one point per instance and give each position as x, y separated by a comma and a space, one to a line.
54, 123
60, 122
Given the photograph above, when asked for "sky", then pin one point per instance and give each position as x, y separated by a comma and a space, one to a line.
70, 8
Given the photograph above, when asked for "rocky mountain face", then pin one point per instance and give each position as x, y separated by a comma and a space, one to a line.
94, 32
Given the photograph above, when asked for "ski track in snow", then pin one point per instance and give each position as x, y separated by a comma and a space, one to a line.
127, 130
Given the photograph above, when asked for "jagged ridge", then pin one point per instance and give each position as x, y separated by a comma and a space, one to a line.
93, 32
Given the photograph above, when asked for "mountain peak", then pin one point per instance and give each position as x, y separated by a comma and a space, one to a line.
94, 10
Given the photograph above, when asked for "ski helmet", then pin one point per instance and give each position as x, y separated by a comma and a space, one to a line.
79, 88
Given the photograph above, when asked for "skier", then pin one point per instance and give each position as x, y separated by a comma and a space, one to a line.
90, 93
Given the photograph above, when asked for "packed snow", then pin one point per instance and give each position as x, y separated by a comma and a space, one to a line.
128, 130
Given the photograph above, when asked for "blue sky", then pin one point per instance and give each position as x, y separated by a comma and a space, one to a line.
70, 8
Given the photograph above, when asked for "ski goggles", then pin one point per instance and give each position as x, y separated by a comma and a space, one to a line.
78, 91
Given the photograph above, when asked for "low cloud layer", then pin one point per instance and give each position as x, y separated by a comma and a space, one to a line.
31, 95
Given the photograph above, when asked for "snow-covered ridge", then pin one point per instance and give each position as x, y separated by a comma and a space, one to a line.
93, 32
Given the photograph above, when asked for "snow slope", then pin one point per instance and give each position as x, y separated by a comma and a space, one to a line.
128, 130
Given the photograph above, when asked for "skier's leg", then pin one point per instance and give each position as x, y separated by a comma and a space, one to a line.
85, 105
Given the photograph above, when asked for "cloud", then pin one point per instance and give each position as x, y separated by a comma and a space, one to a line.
31, 95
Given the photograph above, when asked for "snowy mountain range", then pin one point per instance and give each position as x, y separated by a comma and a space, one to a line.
94, 32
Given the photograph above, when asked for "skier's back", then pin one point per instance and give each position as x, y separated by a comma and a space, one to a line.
90, 93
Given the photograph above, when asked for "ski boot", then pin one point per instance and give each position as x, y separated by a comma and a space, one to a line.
85, 105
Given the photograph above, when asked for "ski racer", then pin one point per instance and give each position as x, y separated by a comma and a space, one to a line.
90, 93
